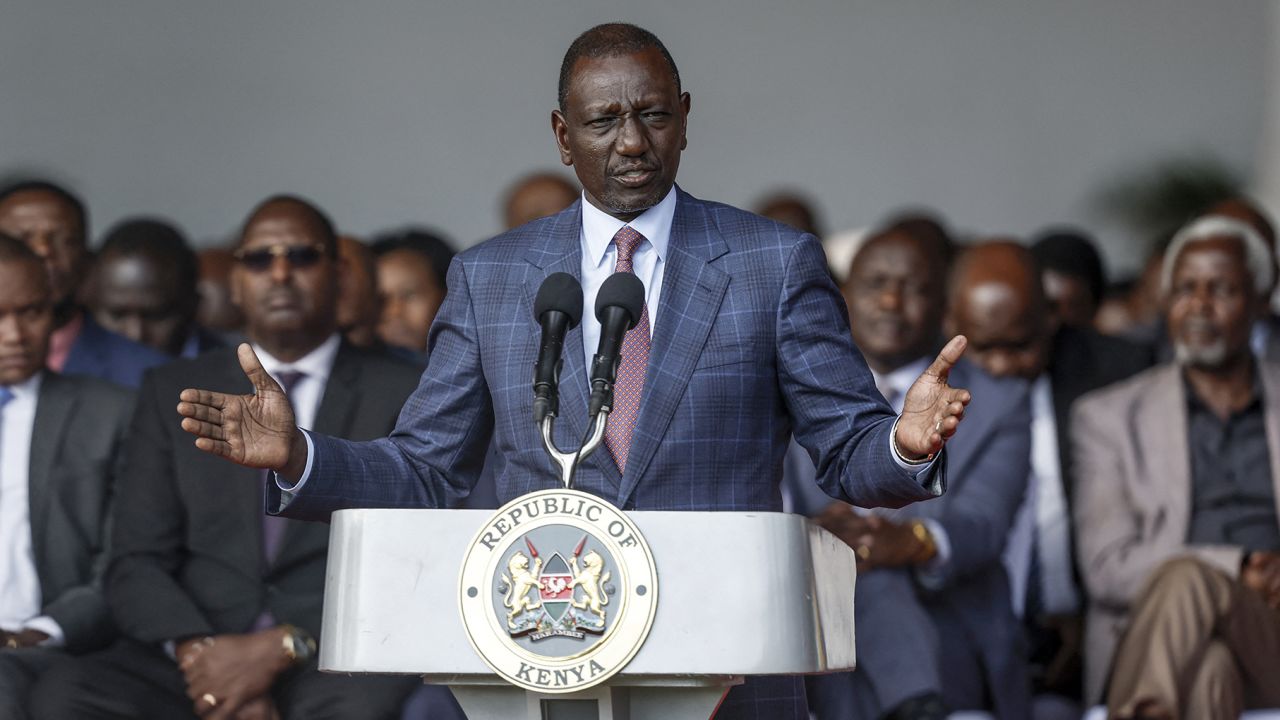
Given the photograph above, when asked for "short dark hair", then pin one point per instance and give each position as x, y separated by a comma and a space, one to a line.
13, 250
610, 40
327, 231
1071, 252
48, 186
157, 240
438, 252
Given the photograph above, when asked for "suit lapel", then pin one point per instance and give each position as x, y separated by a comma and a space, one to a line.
692, 291
54, 407
1161, 428
334, 416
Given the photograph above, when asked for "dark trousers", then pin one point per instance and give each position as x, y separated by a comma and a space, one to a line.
131, 680
19, 671
902, 653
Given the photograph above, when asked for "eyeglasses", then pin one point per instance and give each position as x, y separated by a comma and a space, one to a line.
298, 256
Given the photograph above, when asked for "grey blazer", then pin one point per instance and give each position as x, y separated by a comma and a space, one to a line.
1133, 496
76, 444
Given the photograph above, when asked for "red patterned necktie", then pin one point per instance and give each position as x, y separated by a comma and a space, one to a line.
635, 358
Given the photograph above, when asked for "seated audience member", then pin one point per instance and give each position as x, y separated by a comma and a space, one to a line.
1072, 275
1177, 473
412, 270
935, 627
218, 602
998, 303
216, 311
144, 288
358, 301
537, 196
60, 439
790, 209
1265, 337
54, 224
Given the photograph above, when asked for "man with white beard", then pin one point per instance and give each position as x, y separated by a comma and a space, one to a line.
1175, 510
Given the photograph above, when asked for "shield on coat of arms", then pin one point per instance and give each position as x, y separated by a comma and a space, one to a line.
556, 591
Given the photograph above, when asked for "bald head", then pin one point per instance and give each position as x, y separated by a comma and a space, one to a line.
537, 196
998, 303
790, 209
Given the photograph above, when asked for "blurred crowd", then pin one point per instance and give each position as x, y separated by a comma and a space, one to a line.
1109, 533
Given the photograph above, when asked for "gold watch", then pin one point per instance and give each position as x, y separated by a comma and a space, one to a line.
299, 646
928, 547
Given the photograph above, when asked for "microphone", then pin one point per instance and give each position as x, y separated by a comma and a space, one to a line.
558, 309
618, 308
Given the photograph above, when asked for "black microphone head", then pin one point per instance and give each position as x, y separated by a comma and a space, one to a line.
624, 290
561, 292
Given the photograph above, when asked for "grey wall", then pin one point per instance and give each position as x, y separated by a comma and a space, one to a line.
1005, 116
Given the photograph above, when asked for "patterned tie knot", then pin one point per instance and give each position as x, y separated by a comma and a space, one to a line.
5, 395
626, 240
288, 379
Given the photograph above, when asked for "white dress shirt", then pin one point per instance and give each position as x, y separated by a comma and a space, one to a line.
20, 597
600, 256
1043, 521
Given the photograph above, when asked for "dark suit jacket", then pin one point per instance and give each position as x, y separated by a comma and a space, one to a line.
751, 344
988, 462
187, 556
98, 352
1082, 361
76, 445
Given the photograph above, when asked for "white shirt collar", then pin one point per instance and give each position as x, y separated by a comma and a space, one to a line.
316, 364
28, 388
902, 378
599, 227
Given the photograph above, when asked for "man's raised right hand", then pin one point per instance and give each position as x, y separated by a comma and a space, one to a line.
255, 430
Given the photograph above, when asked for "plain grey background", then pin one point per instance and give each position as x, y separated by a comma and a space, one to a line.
1005, 116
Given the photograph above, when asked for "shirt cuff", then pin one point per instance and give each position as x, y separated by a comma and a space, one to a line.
287, 489
930, 574
919, 469
48, 626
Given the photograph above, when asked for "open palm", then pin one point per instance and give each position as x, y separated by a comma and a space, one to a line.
255, 430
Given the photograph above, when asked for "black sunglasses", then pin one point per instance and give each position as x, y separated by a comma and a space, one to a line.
298, 256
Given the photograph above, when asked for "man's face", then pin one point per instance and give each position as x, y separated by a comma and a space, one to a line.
1070, 298
51, 228
1212, 304
137, 298
358, 304
410, 299
1007, 338
285, 282
26, 320
895, 299
622, 130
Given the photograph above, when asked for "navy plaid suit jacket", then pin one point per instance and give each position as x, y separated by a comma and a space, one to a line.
751, 344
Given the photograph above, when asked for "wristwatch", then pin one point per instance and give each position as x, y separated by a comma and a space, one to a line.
299, 646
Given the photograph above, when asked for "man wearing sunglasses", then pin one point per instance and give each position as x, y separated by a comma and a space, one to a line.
219, 607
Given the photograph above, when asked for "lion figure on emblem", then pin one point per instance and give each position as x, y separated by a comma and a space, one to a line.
522, 580
590, 579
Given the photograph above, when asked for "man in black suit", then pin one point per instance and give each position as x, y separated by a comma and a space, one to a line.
60, 438
220, 604
999, 303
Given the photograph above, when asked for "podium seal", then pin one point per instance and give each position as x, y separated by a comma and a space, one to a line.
558, 591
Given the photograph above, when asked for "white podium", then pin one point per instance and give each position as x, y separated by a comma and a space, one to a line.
740, 594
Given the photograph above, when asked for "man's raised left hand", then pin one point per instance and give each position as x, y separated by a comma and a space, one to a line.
932, 410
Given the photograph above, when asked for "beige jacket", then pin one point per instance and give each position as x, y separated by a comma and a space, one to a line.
1132, 500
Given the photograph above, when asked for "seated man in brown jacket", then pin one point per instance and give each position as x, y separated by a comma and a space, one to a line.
1176, 517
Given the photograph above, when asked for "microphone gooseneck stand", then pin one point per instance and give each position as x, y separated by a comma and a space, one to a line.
568, 462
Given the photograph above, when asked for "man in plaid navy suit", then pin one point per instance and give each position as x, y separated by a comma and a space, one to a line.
749, 344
